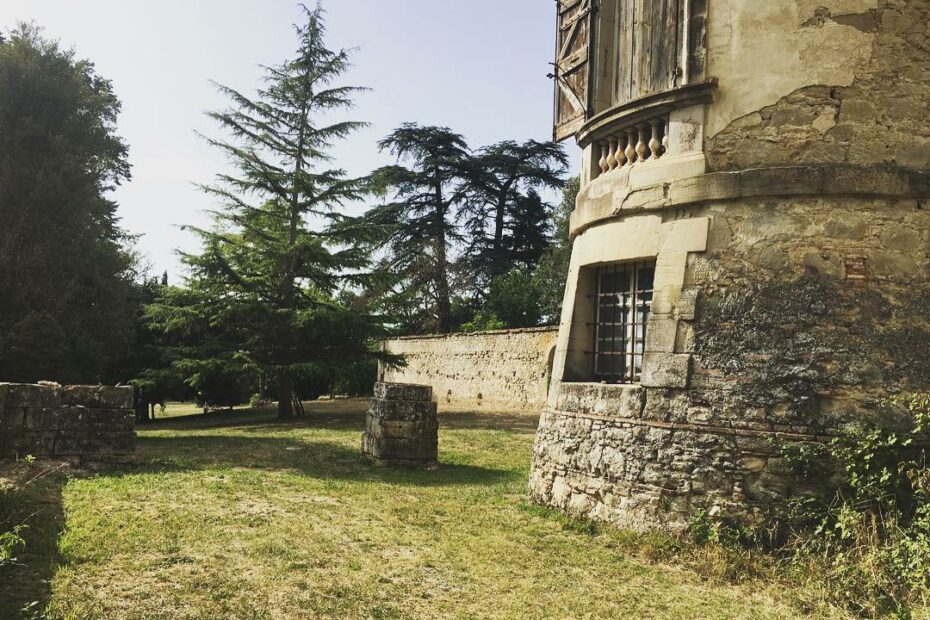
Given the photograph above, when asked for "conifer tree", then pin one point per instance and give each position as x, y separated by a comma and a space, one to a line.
267, 279
504, 205
426, 199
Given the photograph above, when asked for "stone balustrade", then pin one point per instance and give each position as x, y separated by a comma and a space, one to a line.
632, 144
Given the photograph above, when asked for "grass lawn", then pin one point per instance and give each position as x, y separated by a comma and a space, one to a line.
232, 515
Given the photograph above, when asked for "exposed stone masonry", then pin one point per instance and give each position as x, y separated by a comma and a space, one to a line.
796, 325
504, 369
877, 118
78, 421
401, 427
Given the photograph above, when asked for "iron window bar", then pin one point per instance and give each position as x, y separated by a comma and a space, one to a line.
622, 305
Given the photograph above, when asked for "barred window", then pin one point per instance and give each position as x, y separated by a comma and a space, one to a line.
622, 304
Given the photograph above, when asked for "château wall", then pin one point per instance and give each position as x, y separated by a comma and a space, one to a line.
789, 327
507, 369
786, 213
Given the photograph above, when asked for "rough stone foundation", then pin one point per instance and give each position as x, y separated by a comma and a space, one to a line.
401, 427
72, 422
800, 317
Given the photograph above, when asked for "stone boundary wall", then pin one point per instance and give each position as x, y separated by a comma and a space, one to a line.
86, 422
507, 369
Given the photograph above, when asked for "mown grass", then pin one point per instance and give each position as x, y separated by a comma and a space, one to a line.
232, 515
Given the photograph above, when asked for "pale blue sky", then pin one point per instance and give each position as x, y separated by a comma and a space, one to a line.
478, 66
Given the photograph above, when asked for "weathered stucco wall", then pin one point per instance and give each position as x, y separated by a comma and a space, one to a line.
79, 421
806, 81
507, 369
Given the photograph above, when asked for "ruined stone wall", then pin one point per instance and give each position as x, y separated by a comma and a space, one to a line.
801, 315
506, 369
48, 420
401, 427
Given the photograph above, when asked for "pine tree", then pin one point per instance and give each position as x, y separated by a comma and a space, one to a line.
265, 284
427, 197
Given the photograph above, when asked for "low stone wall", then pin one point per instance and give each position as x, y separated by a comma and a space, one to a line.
78, 421
508, 369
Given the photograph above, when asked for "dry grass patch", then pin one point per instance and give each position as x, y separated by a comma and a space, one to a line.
232, 515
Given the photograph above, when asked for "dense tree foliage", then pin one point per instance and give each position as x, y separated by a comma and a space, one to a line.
550, 274
507, 220
262, 296
461, 221
67, 299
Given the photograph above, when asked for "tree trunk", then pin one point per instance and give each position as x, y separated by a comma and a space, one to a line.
441, 275
285, 389
499, 227
443, 303
497, 249
285, 395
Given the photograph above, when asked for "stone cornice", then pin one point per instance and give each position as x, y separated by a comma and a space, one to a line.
599, 201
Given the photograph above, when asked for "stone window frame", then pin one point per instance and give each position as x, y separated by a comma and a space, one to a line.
635, 304
667, 358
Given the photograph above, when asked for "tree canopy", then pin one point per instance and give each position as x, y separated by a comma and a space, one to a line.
421, 216
459, 220
67, 307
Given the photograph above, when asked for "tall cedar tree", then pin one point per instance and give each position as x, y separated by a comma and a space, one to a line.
264, 287
506, 219
66, 270
427, 197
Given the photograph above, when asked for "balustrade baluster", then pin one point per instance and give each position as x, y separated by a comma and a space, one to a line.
630, 151
611, 154
654, 144
665, 126
641, 148
620, 154
602, 162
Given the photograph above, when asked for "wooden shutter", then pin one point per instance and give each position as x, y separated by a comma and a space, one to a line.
572, 66
655, 46
648, 47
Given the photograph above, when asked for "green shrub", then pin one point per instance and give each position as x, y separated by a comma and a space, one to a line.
870, 538
11, 543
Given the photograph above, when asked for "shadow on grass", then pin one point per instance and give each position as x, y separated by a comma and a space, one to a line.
346, 414
315, 459
25, 585
261, 442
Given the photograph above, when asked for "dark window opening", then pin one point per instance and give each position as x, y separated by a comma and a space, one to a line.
621, 311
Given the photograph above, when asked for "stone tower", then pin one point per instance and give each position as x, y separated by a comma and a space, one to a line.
751, 245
